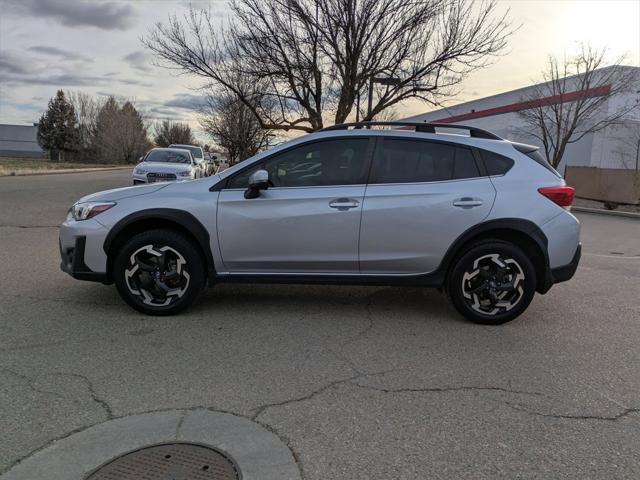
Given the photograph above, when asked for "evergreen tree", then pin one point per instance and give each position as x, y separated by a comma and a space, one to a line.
58, 127
133, 132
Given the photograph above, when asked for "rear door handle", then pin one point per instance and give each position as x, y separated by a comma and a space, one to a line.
467, 202
343, 203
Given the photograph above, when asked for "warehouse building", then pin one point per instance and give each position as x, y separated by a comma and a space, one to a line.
615, 147
19, 141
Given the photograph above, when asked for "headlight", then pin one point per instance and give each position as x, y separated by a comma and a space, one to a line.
184, 173
86, 210
140, 171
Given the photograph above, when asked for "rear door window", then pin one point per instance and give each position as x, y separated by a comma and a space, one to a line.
414, 161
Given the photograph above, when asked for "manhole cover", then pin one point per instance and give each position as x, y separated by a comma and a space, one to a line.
172, 461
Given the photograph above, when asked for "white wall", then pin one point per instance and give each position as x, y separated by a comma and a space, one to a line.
609, 148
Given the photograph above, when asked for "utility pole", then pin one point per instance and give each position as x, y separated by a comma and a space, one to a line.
382, 81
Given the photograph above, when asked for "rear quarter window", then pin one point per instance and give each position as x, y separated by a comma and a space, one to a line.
537, 157
495, 163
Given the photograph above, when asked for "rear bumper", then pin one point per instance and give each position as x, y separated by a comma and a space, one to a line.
72, 262
562, 273
566, 272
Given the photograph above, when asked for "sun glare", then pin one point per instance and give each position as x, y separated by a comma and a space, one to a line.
611, 24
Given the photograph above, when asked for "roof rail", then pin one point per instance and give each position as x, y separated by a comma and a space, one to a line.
419, 127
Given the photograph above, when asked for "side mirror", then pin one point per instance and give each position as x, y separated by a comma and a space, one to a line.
140, 159
259, 180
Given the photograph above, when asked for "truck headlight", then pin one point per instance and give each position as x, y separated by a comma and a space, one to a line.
184, 173
86, 210
140, 171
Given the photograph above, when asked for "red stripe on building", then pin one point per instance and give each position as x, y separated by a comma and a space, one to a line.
515, 107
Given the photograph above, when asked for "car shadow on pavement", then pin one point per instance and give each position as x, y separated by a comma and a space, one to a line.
328, 300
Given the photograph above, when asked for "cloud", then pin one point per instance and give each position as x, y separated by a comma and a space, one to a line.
59, 53
186, 101
12, 64
80, 13
27, 77
139, 61
68, 80
21, 69
157, 110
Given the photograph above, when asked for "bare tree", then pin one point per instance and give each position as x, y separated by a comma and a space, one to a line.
87, 108
233, 126
628, 139
121, 136
314, 57
168, 132
574, 100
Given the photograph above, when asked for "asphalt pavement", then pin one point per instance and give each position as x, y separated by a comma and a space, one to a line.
357, 382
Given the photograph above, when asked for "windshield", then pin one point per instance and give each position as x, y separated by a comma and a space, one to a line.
195, 151
168, 156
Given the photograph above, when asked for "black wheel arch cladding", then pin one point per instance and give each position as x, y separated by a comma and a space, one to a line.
181, 218
497, 228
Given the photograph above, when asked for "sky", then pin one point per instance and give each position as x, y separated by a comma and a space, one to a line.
94, 46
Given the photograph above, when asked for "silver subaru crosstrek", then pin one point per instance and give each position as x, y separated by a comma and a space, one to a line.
485, 220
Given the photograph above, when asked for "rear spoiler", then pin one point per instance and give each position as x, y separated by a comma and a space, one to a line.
533, 153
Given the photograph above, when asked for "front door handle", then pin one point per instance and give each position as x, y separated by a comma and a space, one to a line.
343, 203
467, 202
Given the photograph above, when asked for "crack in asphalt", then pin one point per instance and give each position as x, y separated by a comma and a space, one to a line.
285, 439
356, 337
625, 412
94, 396
611, 418
31, 383
446, 389
29, 226
260, 410
60, 300
369, 325
29, 346
180, 422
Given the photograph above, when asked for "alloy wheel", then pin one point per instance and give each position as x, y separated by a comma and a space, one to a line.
157, 275
493, 284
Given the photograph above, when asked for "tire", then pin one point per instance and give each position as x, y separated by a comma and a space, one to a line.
492, 282
159, 272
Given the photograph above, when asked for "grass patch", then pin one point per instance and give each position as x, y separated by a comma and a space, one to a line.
17, 166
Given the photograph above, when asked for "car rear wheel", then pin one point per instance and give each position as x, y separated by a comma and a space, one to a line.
159, 272
491, 283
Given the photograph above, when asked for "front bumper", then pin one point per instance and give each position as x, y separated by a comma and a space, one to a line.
73, 262
81, 252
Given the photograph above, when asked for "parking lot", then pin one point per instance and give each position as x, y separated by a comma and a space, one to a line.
358, 382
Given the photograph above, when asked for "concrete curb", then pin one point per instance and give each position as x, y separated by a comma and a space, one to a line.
600, 211
70, 170
258, 453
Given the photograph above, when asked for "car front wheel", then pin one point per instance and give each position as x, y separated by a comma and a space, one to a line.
159, 272
492, 283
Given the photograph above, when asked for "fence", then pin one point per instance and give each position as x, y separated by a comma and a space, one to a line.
605, 184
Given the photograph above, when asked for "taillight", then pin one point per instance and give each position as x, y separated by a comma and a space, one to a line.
562, 196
